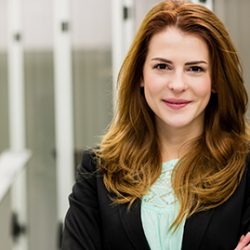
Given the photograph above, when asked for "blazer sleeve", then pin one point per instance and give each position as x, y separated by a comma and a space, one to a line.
82, 221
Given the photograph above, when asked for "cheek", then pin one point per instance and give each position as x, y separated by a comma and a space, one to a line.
152, 84
204, 89
151, 91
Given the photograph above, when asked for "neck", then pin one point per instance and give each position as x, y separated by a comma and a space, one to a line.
175, 142
172, 148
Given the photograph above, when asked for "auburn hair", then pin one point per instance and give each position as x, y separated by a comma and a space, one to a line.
130, 153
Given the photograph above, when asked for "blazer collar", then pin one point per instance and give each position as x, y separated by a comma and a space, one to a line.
131, 221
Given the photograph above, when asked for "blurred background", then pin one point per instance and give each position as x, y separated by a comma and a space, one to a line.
58, 66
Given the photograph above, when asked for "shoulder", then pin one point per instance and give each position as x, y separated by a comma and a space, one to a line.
248, 170
86, 179
89, 160
246, 181
88, 166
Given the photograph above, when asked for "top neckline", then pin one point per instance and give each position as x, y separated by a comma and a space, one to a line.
169, 163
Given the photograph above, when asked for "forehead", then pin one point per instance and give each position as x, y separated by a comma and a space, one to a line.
172, 42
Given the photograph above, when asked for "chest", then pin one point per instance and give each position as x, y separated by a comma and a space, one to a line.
218, 228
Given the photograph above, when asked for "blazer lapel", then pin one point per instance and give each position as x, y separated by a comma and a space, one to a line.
131, 221
195, 228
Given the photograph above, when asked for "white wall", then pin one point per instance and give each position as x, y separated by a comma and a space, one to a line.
3, 25
90, 23
37, 24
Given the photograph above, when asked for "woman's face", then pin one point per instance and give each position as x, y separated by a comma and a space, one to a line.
177, 79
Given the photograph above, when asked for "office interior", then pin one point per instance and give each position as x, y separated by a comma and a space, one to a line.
65, 56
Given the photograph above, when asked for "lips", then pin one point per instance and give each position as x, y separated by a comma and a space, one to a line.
176, 103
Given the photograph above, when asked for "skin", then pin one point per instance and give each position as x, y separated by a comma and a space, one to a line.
177, 87
244, 242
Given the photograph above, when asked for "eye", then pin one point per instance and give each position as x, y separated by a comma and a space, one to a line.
161, 66
196, 69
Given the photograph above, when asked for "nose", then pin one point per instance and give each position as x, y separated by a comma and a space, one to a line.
177, 82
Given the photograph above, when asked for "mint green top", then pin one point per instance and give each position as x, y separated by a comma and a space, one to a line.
159, 209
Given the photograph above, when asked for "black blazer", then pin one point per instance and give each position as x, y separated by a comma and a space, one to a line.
94, 223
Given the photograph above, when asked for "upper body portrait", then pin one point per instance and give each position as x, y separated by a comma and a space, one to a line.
172, 171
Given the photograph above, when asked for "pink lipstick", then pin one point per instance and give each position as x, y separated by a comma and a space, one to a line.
176, 103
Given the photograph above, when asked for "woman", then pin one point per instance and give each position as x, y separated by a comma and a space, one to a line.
172, 171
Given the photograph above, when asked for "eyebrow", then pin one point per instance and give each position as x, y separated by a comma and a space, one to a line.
188, 63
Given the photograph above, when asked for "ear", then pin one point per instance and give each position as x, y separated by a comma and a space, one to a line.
142, 84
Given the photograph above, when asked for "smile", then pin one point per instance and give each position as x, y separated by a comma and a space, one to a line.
176, 103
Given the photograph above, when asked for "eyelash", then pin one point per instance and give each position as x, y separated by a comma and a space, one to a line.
163, 66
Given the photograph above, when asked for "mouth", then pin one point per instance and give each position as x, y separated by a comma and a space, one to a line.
176, 103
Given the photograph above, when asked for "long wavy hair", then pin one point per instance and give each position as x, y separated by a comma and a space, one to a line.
130, 153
